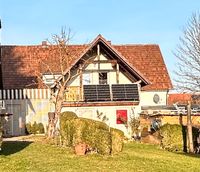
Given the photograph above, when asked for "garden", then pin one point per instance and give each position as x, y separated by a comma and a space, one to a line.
39, 155
105, 149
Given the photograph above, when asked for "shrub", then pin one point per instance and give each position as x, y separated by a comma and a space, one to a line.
172, 137
1, 133
103, 142
40, 128
67, 129
35, 128
28, 128
95, 134
117, 140
68, 115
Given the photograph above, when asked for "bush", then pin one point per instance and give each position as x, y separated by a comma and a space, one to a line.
28, 128
35, 128
95, 134
67, 129
68, 115
40, 128
172, 137
117, 140
1, 133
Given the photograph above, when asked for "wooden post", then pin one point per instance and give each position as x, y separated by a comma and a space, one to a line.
81, 83
189, 128
98, 56
117, 73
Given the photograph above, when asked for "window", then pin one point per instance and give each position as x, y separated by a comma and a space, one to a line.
103, 78
121, 116
86, 79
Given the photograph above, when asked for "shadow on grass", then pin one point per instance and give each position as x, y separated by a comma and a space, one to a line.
11, 147
192, 155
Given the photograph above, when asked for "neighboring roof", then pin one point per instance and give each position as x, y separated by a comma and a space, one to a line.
19, 63
179, 98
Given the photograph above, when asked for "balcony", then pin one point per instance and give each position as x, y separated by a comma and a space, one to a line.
102, 93
74, 94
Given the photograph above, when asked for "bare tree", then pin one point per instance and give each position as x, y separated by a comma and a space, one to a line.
58, 46
188, 55
188, 66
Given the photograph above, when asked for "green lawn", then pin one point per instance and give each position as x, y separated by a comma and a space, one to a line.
25, 156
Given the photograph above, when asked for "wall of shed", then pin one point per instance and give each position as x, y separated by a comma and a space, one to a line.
28, 105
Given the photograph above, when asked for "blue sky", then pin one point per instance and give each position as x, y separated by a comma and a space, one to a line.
121, 21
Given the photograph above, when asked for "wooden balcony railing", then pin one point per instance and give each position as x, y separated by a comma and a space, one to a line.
74, 94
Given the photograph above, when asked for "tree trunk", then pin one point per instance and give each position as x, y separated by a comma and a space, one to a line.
58, 106
189, 128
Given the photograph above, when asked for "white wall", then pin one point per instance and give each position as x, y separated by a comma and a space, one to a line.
146, 98
109, 111
94, 75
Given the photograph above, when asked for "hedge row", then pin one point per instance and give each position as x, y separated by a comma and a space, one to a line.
95, 134
35, 128
174, 137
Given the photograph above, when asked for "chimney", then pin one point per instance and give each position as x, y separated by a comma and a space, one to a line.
109, 42
44, 44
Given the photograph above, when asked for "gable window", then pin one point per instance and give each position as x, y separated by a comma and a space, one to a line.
103, 78
86, 79
121, 116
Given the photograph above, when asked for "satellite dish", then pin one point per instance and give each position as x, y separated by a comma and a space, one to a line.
156, 98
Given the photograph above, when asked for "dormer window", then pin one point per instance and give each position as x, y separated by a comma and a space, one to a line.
103, 78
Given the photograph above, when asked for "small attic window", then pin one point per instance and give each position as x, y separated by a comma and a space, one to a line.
103, 78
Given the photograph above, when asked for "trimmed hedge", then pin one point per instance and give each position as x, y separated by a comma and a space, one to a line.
117, 140
95, 134
67, 129
1, 133
174, 137
35, 128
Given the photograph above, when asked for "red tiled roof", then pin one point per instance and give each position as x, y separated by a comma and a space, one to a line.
149, 61
179, 98
20, 63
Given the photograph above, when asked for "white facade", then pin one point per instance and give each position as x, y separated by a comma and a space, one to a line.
153, 98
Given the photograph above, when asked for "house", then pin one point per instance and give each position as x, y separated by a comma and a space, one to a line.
175, 112
116, 81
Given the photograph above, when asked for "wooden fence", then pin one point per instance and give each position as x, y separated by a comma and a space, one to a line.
13, 94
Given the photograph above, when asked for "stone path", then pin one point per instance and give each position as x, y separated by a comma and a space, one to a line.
29, 138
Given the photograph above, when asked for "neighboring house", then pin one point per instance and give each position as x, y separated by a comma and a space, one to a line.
175, 112
116, 81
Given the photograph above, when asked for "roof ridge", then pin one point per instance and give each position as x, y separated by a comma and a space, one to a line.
132, 44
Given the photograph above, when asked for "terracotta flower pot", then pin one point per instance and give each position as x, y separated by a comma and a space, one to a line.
80, 149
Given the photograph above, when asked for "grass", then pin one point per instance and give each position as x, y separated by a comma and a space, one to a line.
38, 156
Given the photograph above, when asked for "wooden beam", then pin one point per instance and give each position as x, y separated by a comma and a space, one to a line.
98, 56
117, 73
100, 71
101, 61
81, 81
